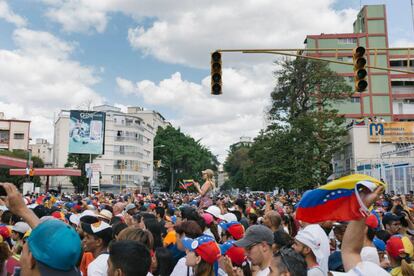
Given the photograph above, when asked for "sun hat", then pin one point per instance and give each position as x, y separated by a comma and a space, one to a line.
205, 246
55, 244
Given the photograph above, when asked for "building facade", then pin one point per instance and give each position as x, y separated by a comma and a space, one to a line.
44, 150
129, 140
14, 134
390, 95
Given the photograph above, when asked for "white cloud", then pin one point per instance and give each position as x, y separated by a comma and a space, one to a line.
402, 43
38, 79
7, 14
218, 120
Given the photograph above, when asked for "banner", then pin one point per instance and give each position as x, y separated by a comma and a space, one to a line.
86, 132
392, 132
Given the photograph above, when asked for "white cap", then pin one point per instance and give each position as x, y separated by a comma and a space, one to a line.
215, 211
88, 213
21, 227
75, 219
229, 217
312, 241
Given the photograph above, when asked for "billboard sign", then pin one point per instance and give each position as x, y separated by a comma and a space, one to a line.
86, 132
392, 132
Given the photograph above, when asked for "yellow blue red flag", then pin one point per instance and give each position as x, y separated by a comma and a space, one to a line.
338, 200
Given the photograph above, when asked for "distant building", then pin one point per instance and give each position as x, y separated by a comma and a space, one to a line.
14, 133
244, 141
129, 141
44, 150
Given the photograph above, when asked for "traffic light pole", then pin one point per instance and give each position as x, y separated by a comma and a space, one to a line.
301, 51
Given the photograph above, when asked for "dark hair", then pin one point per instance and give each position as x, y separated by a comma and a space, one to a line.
115, 220
132, 257
41, 211
190, 228
160, 211
147, 215
6, 217
287, 260
4, 255
165, 262
371, 234
281, 239
237, 214
253, 218
383, 235
118, 227
89, 219
155, 228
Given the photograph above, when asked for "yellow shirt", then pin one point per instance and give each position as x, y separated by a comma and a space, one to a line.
397, 270
170, 238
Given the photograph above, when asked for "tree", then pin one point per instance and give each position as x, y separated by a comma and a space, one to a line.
296, 149
78, 161
181, 156
18, 180
236, 165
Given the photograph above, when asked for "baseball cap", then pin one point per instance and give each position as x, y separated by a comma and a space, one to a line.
312, 241
229, 217
56, 245
208, 218
379, 244
205, 246
208, 171
100, 229
372, 221
21, 227
215, 211
129, 207
255, 234
235, 229
398, 244
236, 254
5, 232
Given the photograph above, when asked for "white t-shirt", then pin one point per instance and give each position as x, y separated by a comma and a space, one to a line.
99, 266
370, 254
180, 269
364, 269
315, 271
263, 272
325, 247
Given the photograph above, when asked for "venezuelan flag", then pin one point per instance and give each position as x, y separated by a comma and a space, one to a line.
338, 200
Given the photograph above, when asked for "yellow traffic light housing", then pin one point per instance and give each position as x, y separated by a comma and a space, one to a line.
360, 73
216, 84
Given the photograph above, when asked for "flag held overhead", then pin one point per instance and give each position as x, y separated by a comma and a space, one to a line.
339, 200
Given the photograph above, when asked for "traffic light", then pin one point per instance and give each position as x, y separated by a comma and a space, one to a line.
216, 84
360, 73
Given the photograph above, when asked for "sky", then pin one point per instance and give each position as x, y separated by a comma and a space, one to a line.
68, 54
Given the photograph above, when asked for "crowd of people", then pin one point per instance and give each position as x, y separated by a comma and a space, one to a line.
201, 233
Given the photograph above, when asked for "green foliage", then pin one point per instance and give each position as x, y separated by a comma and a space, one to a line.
78, 161
181, 154
236, 165
18, 180
296, 149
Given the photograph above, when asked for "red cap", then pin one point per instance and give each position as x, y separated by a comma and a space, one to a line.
237, 255
152, 206
397, 245
209, 251
5, 232
236, 230
371, 221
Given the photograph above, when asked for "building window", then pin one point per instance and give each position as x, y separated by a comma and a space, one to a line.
347, 41
18, 136
4, 136
355, 99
